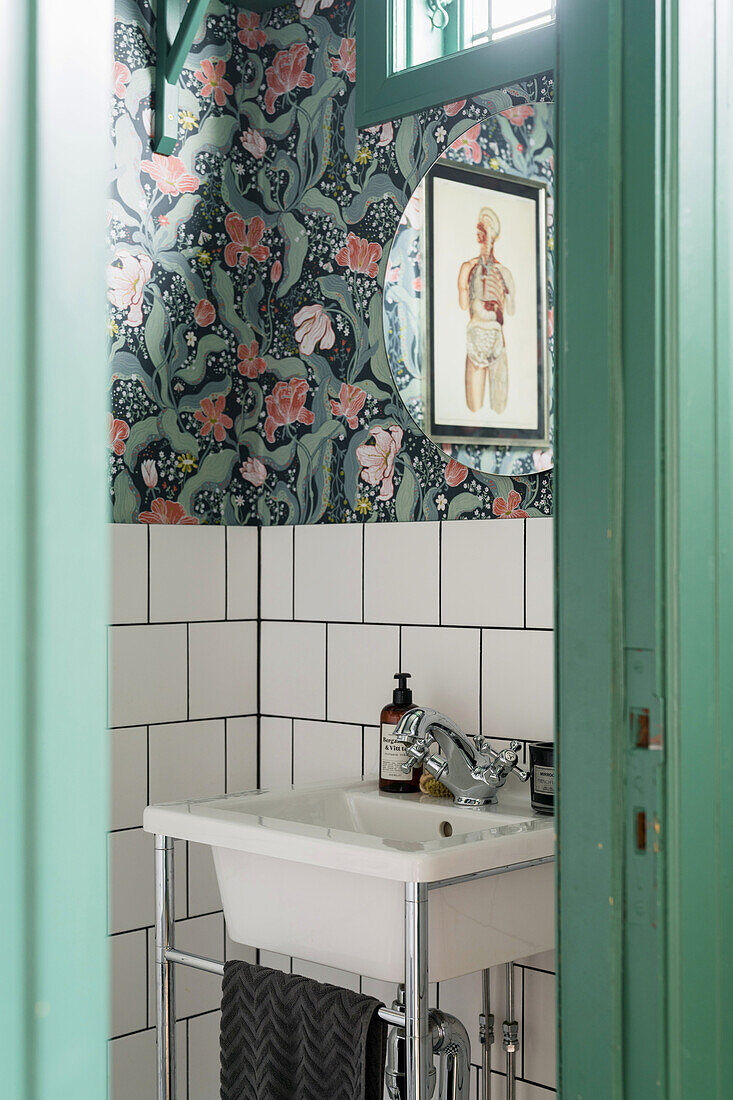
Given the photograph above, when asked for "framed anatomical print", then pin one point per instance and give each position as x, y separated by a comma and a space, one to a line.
486, 338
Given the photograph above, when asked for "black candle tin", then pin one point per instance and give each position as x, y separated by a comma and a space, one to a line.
542, 776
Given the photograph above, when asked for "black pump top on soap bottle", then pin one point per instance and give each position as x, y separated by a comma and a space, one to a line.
393, 753
402, 695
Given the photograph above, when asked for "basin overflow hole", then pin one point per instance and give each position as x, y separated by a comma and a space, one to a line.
445, 828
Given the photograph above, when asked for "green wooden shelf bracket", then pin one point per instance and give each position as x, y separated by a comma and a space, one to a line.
174, 38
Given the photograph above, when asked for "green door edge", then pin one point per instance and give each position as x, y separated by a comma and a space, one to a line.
645, 599
53, 586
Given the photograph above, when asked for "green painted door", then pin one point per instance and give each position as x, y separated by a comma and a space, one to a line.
56, 71
644, 596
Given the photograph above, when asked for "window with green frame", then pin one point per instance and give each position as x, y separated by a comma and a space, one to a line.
425, 30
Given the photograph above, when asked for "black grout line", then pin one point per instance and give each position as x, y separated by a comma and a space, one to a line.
188, 672
363, 570
524, 575
399, 652
188, 1060
356, 622
440, 573
184, 721
259, 656
184, 622
292, 750
148, 570
226, 573
481, 682
325, 685
523, 1031
292, 615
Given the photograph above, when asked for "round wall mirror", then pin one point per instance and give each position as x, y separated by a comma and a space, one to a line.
469, 294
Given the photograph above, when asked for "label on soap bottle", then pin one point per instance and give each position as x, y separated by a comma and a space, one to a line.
544, 779
393, 754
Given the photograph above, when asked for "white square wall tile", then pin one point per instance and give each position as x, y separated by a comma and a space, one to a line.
329, 975
186, 761
445, 667
483, 573
203, 1054
187, 579
222, 669
539, 1037
147, 674
540, 580
276, 752
133, 1065
276, 572
293, 669
129, 572
401, 572
241, 745
325, 750
518, 684
462, 997
372, 748
131, 887
242, 572
362, 662
328, 572
128, 982
128, 763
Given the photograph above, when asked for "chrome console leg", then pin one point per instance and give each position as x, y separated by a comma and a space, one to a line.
165, 1002
418, 1054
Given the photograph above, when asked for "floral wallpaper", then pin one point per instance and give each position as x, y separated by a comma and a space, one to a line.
519, 142
249, 379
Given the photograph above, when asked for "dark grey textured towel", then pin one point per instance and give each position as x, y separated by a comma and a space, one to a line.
284, 1037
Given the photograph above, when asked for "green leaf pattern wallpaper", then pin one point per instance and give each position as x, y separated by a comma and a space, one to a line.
249, 379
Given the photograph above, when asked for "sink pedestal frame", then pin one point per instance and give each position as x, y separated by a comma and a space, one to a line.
415, 1020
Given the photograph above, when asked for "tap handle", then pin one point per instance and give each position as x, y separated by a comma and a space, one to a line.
509, 761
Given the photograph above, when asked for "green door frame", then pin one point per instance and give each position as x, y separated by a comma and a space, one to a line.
53, 591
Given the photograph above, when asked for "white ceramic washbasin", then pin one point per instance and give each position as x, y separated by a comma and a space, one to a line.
318, 872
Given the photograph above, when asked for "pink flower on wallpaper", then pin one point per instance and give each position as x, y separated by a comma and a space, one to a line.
118, 433
213, 82
126, 278
204, 313
170, 174
150, 473
385, 131
121, 78
550, 322
250, 364
245, 240
313, 326
346, 60
286, 73
286, 405
350, 403
212, 417
542, 460
308, 7
254, 471
455, 473
377, 460
509, 508
166, 511
254, 143
251, 33
359, 255
468, 144
452, 109
276, 272
518, 115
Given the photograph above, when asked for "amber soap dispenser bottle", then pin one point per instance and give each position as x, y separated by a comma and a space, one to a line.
393, 753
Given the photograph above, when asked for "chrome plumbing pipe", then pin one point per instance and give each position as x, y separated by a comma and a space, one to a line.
510, 1029
164, 983
417, 1010
487, 1035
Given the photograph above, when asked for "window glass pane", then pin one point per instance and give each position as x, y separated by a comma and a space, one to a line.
504, 12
